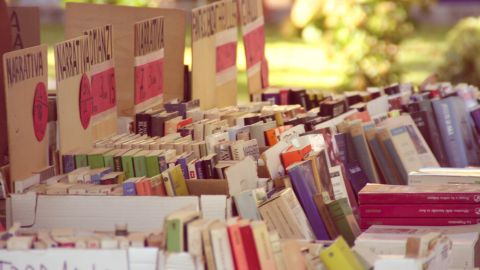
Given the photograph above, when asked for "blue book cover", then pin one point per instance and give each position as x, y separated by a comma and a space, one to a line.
68, 163
396, 159
199, 169
129, 188
455, 131
356, 176
378, 153
301, 176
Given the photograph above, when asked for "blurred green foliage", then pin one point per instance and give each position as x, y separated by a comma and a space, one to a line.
461, 62
364, 33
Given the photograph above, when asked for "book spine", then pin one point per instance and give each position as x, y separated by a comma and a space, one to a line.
418, 198
250, 248
435, 139
365, 222
361, 148
157, 126
129, 189
382, 161
68, 162
475, 114
117, 164
143, 124
199, 169
305, 192
454, 146
183, 165
396, 160
420, 211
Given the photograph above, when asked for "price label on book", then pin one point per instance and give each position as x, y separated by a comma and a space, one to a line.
40, 111
85, 102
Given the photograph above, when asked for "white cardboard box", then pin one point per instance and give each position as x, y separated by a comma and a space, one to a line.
141, 213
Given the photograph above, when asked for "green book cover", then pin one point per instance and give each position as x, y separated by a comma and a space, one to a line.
173, 228
127, 164
108, 160
342, 216
81, 160
139, 166
178, 181
95, 161
152, 165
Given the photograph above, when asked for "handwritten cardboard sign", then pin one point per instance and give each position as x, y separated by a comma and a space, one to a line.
25, 25
253, 32
25, 81
149, 62
102, 81
214, 54
64, 259
74, 96
79, 17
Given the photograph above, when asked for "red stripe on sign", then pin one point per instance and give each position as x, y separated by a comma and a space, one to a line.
148, 81
226, 56
254, 46
103, 91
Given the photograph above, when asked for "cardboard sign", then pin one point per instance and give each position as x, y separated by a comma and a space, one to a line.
102, 81
64, 259
5, 46
149, 63
79, 17
74, 97
253, 31
140, 213
26, 77
214, 54
25, 24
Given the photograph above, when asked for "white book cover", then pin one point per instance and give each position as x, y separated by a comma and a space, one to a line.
221, 248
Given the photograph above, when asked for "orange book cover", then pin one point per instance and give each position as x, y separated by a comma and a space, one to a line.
158, 189
292, 155
272, 135
236, 244
139, 187
147, 186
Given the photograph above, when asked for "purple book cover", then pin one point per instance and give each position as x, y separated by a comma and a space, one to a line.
356, 176
301, 176
475, 113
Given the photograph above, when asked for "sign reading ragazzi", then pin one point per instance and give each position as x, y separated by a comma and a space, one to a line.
149, 62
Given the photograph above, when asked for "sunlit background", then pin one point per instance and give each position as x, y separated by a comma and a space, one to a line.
341, 45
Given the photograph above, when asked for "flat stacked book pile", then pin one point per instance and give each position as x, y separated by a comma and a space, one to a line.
419, 205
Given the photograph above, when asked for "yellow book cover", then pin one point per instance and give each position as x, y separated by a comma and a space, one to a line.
339, 256
178, 181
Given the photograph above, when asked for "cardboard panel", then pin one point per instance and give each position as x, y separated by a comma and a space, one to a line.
253, 32
25, 25
149, 63
5, 46
79, 17
214, 54
26, 80
102, 81
74, 100
141, 213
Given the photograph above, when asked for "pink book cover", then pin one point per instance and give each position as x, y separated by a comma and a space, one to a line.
365, 223
419, 194
420, 211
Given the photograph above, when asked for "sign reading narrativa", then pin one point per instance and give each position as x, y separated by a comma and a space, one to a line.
72, 58
24, 67
64, 260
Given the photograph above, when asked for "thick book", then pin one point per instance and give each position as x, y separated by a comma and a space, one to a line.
363, 152
419, 194
303, 182
366, 222
384, 160
456, 132
420, 210
435, 176
342, 215
248, 241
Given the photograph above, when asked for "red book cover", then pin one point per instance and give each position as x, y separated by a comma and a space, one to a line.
183, 123
248, 241
147, 187
139, 188
419, 194
238, 249
158, 189
284, 94
292, 155
365, 223
420, 210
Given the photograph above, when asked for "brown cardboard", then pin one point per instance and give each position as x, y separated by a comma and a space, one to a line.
25, 25
71, 65
25, 71
5, 46
214, 71
251, 19
102, 79
199, 187
79, 17
149, 51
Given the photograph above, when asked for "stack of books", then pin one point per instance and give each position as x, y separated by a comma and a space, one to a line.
419, 205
